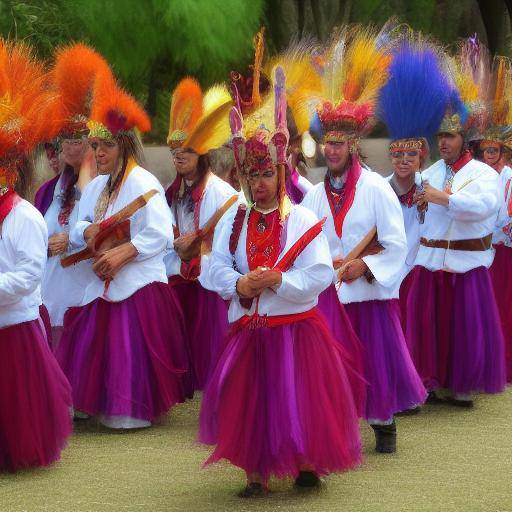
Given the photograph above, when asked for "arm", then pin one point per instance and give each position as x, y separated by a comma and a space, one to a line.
29, 241
387, 265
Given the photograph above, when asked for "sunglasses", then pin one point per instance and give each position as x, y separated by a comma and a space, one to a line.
401, 154
265, 175
491, 150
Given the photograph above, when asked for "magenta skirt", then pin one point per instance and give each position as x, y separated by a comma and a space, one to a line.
393, 383
501, 276
280, 398
454, 331
45, 319
405, 289
126, 358
206, 316
339, 323
35, 399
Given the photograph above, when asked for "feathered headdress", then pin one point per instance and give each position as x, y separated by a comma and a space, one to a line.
197, 121
470, 74
76, 71
28, 110
356, 67
499, 120
414, 100
114, 111
264, 147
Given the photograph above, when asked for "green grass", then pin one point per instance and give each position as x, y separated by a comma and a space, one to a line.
448, 460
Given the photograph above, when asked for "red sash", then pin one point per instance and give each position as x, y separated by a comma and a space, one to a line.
7, 202
257, 321
353, 175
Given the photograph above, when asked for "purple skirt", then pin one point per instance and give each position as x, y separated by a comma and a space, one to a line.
454, 331
126, 358
501, 276
339, 323
280, 398
35, 399
206, 316
393, 383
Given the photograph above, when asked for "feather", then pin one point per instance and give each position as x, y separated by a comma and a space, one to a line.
288, 259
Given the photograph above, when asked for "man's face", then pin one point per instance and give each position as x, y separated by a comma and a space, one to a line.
450, 146
185, 161
405, 163
106, 153
336, 156
491, 152
263, 186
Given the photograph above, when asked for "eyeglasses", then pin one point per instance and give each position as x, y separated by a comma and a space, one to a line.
268, 174
397, 155
491, 150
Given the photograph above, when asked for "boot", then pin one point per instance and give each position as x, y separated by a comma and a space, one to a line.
385, 438
253, 490
307, 479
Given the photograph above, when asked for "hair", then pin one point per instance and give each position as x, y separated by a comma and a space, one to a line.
25, 172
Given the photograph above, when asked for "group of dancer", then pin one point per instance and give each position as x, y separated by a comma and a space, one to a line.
296, 309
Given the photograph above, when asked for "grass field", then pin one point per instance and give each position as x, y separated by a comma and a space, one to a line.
448, 460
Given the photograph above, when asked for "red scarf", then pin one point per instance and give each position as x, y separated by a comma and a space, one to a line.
463, 159
407, 198
349, 193
7, 202
263, 242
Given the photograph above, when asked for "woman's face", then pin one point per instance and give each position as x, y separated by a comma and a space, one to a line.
263, 185
73, 151
107, 153
336, 156
405, 163
491, 152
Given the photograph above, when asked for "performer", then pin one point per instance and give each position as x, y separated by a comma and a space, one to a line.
357, 201
279, 401
58, 199
491, 151
412, 104
197, 125
123, 347
453, 324
35, 397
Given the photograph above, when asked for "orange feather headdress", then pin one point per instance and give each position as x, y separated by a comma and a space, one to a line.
28, 109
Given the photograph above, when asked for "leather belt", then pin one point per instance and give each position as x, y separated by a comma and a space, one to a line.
470, 244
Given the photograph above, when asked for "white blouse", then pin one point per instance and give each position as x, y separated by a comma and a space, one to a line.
23, 249
61, 288
216, 193
310, 274
501, 235
375, 205
150, 231
471, 213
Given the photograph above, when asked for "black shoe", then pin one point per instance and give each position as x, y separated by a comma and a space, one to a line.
466, 404
253, 490
409, 412
385, 438
307, 479
432, 398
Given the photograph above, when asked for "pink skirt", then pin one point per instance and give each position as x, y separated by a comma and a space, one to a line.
393, 383
280, 398
126, 358
35, 399
454, 331
206, 326
501, 276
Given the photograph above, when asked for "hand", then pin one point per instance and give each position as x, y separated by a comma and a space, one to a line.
337, 263
352, 270
188, 246
262, 278
90, 233
108, 264
431, 194
57, 244
245, 289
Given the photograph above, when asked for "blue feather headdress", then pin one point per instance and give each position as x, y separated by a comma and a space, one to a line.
415, 98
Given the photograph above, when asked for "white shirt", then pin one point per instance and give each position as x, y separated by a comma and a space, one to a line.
375, 205
499, 236
216, 193
23, 249
310, 274
61, 288
471, 213
150, 231
412, 232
